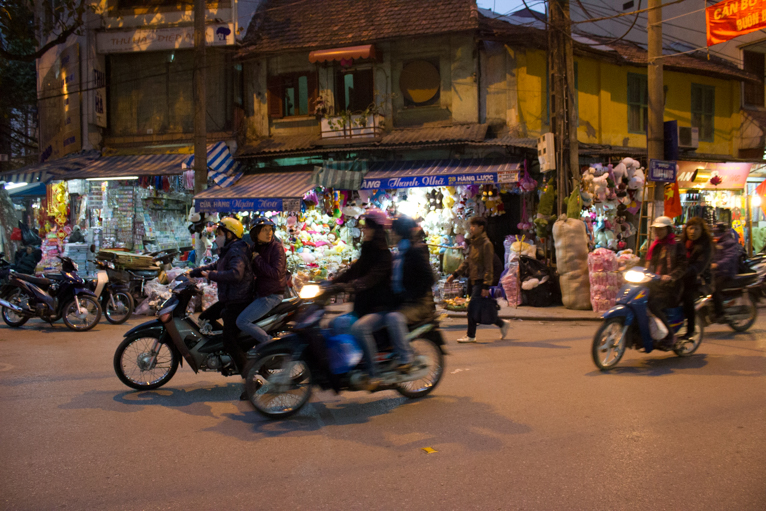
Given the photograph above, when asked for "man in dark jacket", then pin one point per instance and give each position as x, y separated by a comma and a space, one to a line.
234, 277
27, 259
270, 269
725, 264
412, 283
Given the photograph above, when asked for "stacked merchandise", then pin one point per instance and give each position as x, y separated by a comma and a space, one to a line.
605, 279
78, 253
122, 204
50, 249
161, 220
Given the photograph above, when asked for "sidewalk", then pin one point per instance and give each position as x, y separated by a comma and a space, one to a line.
556, 313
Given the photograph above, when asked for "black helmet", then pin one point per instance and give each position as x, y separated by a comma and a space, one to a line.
404, 226
258, 224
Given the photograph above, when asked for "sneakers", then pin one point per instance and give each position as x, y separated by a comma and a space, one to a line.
466, 339
504, 329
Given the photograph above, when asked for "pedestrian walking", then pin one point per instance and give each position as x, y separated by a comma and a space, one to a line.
478, 265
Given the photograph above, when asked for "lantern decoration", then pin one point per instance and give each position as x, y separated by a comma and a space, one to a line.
58, 208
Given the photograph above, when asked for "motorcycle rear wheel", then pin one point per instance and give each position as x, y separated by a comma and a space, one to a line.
687, 348
122, 309
607, 350
429, 353
11, 317
86, 317
134, 367
270, 392
745, 301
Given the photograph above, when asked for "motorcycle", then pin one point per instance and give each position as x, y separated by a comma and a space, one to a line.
50, 299
740, 301
149, 355
112, 290
627, 324
280, 376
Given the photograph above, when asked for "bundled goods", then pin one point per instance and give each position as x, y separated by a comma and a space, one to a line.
626, 260
77, 252
605, 281
209, 295
571, 243
510, 283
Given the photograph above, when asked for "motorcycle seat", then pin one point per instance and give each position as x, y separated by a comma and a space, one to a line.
42, 283
740, 281
144, 274
284, 306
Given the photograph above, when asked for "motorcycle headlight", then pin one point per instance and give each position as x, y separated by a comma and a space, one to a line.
310, 291
635, 277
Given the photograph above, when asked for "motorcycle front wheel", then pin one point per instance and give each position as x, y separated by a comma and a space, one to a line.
426, 354
119, 308
278, 386
745, 306
687, 347
142, 362
84, 317
609, 343
12, 318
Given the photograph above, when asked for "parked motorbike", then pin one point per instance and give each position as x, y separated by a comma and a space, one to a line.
740, 301
149, 355
626, 325
281, 375
66, 296
113, 292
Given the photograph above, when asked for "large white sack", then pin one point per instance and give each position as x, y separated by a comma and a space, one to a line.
571, 242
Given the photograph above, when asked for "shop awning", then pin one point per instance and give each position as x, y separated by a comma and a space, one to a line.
27, 177
366, 51
414, 174
223, 170
276, 191
133, 165
29, 190
697, 175
51, 170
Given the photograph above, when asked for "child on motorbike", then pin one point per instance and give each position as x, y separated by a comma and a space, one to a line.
667, 259
699, 251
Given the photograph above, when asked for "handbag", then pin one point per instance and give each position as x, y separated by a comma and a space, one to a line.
483, 310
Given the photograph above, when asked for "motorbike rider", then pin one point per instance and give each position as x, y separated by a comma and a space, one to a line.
27, 259
234, 277
668, 260
725, 264
370, 280
699, 252
269, 265
412, 280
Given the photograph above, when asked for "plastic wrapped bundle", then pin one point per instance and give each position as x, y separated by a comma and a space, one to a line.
602, 260
605, 281
510, 283
572, 262
209, 295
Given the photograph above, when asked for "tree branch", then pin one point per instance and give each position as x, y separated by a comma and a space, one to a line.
31, 57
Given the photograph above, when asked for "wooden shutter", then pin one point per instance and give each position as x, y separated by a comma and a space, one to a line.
363, 94
276, 97
754, 63
313, 89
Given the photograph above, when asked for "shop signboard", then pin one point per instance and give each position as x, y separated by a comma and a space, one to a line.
698, 175
390, 183
733, 18
660, 170
227, 205
219, 34
508, 176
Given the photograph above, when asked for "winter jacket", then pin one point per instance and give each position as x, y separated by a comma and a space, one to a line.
669, 259
726, 256
26, 263
417, 276
479, 263
270, 268
231, 272
698, 258
370, 277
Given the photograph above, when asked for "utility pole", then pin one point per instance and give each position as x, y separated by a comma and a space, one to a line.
200, 99
572, 114
656, 133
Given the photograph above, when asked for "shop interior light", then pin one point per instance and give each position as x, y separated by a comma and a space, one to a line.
11, 186
755, 201
700, 176
126, 178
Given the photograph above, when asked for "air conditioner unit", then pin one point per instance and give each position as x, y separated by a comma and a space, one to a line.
688, 138
546, 154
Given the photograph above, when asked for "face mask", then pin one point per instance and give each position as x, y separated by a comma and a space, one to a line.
220, 240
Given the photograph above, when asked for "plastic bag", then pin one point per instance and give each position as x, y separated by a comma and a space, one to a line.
343, 353
657, 328
453, 258
144, 309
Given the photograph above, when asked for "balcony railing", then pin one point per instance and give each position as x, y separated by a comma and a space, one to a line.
349, 129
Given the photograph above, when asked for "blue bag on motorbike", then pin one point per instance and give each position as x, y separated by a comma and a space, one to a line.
343, 353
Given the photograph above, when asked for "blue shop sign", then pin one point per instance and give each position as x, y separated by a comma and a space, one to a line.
663, 171
226, 205
389, 183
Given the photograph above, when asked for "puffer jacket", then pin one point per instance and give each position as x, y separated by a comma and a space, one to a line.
270, 268
726, 255
231, 272
370, 277
479, 263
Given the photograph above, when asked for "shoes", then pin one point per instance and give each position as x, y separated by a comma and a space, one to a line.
504, 329
243, 396
372, 384
466, 339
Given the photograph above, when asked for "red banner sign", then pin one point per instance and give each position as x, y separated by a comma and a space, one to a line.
732, 18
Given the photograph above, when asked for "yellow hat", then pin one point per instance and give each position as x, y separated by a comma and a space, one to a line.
232, 225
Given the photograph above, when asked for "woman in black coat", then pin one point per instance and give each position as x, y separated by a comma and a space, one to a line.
698, 243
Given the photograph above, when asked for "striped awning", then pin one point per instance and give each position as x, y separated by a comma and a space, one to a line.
430, 173
133, 165
340, 175
222, 168
276, 191
27, 177
51, 170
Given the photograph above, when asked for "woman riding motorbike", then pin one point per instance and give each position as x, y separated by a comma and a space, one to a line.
725, 264
370, 280
668, 260
699, 251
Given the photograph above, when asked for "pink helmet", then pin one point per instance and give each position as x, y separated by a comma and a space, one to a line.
377, 217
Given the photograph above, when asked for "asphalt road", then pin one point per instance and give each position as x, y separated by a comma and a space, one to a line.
524, 423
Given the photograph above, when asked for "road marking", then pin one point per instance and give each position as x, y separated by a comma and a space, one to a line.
429, 450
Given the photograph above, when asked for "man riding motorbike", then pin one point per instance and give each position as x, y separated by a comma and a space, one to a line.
668, 260
370, 280
269, 266
411, 284
725, 265
234, 277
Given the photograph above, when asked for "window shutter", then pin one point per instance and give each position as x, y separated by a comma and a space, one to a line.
313, 88
275, 97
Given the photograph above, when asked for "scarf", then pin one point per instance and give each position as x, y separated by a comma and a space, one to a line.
689, 248
667, 240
